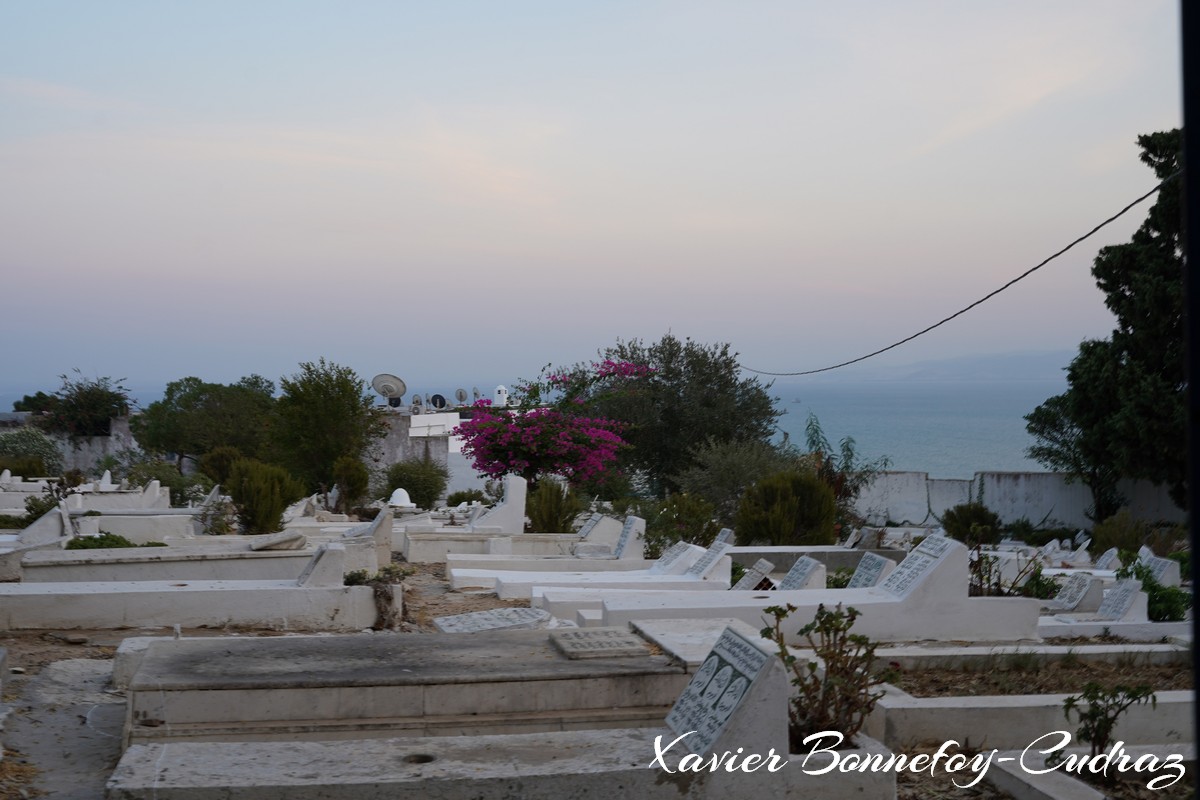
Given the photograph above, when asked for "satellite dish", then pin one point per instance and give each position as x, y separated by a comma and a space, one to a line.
427, 399
460, 395
395, 402
416, 408
416, 400
437, 401
475, 392
388, 385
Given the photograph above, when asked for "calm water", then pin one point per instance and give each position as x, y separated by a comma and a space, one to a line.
948, 429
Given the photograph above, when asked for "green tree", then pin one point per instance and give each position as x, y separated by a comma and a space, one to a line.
195, 417
35, 402
787, 509
262, 492
323, 413
692, 394
85, 407
423, 478
1123, 413
722, 471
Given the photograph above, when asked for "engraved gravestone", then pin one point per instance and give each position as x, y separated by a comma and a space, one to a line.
626, 534
853, 538
868, 572
597, 643
1119, 599
935, 546
716, 690
667, 559
916, 565
705, 563
590, 525
1145, 553
1158, 566
755, 575
1108, 560
799, 574
724, 537
1073, 591
493, 619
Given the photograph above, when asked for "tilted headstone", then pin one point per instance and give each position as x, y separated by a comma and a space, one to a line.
492, 619
725, 693
707, 562
668, 558
799, 574
327, 567
1145, 553
1119, 599
598, 643
627, 533
590, 525
1164, 570
935, 546
1048, 549
5, 476
870, 540
754, 576
1073, 591
919, 563
1111, 559
853, 538
868, 572
725, 536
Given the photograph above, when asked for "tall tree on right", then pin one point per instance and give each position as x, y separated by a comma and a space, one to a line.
1123, 413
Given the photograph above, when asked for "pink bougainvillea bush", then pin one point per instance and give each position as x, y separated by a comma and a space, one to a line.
543, 436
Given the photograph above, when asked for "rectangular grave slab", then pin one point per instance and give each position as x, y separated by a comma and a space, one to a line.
598, 643
492, 620
403, 685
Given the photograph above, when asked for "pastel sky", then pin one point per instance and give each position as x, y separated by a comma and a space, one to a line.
460, 193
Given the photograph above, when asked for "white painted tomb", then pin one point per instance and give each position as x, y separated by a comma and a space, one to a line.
317, 600
925, 597
487, 577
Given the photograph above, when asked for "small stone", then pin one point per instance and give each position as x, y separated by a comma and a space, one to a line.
17, 670
76, 638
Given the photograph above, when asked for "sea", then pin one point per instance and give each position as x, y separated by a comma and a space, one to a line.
948, 429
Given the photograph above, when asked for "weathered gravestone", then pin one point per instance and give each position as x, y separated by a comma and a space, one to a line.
707, 562
736, 699
633, 526
1119, 599
1072, 592
1110, 559
799, 574
590, 525
754, 577
919, 563
869, 571
669, 558
725, 536
491, 620
598, 643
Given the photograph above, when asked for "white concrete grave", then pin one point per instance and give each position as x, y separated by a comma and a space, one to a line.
1081, 592
470, 571
1109, 560
806, 573
707, 562
870, 571
507, 516
670, 557
925, 597
509, 619
633, 529
400, 499
754, 576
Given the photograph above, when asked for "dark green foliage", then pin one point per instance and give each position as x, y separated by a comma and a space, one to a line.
105, 541
838, 695
839, 578
9, 522
787, 509
1038, 585
694, 394
972, 524
423, 478
1128, 534
262, 492
38, 505
184, 488
1123, 413
721, 471
551, 508
466, 496
195, 417
841, 470
218, 462
353, 478
681, 517
35, 403
323, 414
31, 443
25, 466
1163, 603
85, 406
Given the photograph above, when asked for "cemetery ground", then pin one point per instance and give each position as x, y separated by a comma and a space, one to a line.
63, 732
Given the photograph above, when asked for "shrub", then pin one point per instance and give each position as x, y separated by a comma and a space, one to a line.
262, 492
466, 496
218, 462
38, 505
972, 524
352, 477
31, 443
105, 540
723, 470
1125, 532
25, 466
787, 509
1104, 708
1163, 603
423, 478
838, 697
681, 517
552, 507
839, 578
183, 488
85, 406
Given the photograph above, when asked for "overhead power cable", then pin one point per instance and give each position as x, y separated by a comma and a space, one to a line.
986, 297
